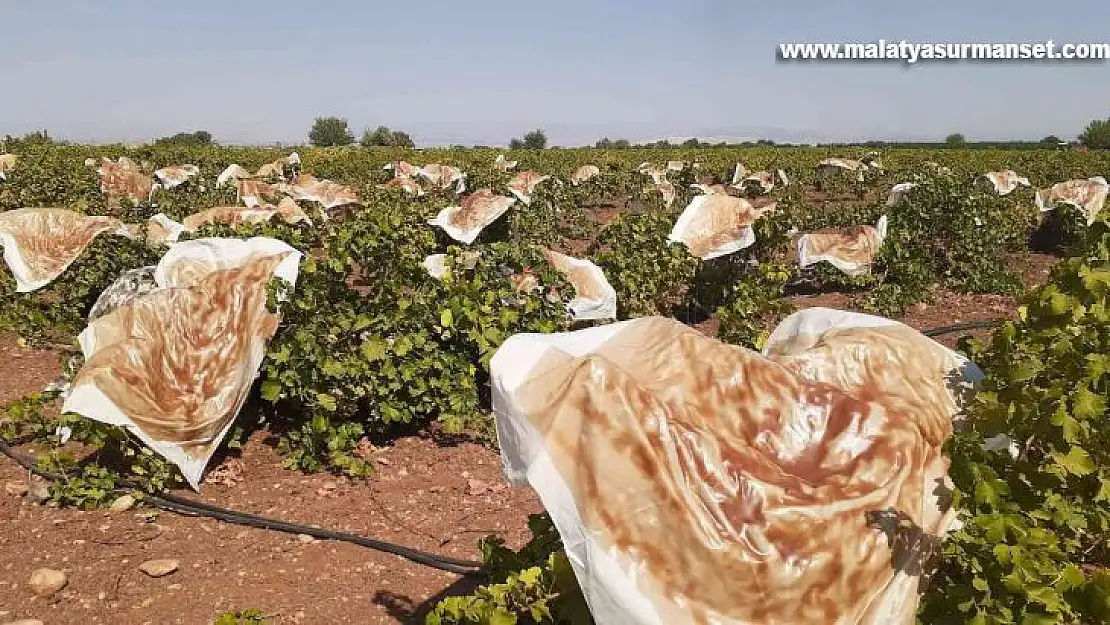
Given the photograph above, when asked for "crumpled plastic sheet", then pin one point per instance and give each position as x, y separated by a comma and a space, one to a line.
163, 230
175, 364
716, 225
664, 188
694, 481
524, 184
443, 176
1089, 196
131, 285
465, 222
1006, 181
436, 265
41, 243
851, 250
324, 192
899, 191
594, 297
7, 163
176, 175
584, 173
123, 178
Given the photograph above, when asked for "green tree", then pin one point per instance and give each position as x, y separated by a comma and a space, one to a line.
535, 140
1097, 135
1052, 140
383, 136
604, 143
622, 144
955, 140
198, 137
329, 131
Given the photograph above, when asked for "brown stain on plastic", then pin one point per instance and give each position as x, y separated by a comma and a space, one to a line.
857, 244
49, 239
721, 219
740, 484
124, 179
476, 209
171, 360
585, 284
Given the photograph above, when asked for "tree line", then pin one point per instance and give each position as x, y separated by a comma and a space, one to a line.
335, 131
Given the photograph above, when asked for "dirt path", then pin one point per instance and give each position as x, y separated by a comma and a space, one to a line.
438, 499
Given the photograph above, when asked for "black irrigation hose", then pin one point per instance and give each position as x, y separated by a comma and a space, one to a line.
453, 565
184, 506
960, 327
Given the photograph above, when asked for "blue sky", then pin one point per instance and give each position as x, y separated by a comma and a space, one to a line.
253, 71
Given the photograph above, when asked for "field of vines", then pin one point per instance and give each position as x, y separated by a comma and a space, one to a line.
371, 349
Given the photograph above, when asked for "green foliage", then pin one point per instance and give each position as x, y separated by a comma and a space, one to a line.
534, 140
195, 138
241, 617
955, 140
1097, 134
948, 231
330, 131
383, 136
534, 585
1033, 543
57, 312
91, 482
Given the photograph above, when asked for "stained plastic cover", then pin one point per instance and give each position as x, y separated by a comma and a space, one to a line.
1006, 181
1089, 196
851, 250
465, 222
594, 297
716, 225
694, 481
584, 173
524, 184
41, 243
175, 364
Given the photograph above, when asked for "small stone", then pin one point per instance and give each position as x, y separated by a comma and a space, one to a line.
305, 538
149, 601
123, 504
38, 491
159, 568
384, 461
25, 621
476, 487
46, 582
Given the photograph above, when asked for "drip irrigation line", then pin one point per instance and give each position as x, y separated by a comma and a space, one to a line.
960, 327
189, 507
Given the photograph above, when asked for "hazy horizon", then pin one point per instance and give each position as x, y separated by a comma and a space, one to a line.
129, 71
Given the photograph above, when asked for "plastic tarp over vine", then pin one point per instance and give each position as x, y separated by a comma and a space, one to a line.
1089, 196
717, 225
175, 363
41, 243
693, 481
594, 297
851, 250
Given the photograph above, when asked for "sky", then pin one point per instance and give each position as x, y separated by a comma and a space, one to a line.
447, 72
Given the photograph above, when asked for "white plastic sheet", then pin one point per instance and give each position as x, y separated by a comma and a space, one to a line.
851, 250
716, 225
1089, 196
693, 481
41, 243
476, 211
594, 297
175, 364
